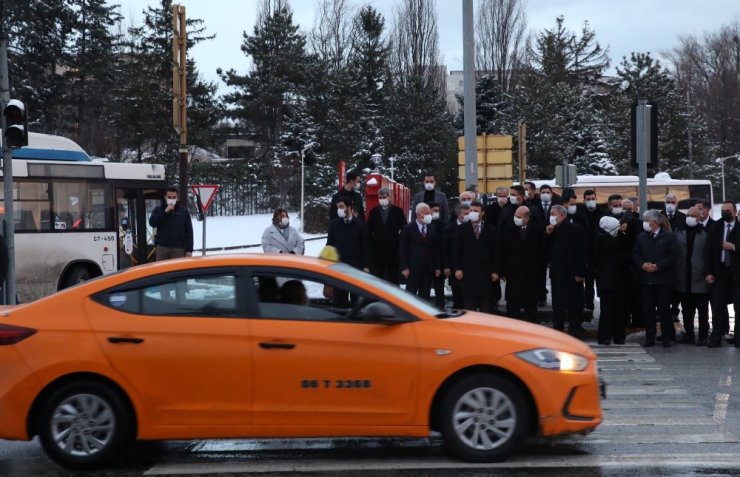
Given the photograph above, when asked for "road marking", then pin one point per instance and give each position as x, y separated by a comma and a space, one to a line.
666, 438
322, 466
629, 367
617, 390
659, 421
639, 377
720, 406
626, 359
610, 405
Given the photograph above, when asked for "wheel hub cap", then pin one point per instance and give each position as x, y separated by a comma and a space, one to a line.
484, 418
83, 424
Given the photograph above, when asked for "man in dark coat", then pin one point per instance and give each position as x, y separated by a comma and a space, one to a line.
432, 194
612, 257
349, 191
519, 259
438, 283
723, 272
448, 251
655, 256
348, 235
547, 200
690, 280
384, 225
496, 207
174, 227
593, 215
705, 214
475, 261
419, 254
677, 219
565, 247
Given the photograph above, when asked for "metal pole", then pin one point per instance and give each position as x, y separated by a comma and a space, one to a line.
471, 151
723, 181
303, 153
204, 234
183, 101
643, 148
691, 145
9, 222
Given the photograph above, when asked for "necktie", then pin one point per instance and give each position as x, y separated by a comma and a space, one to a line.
726, 253
477, 231
670, 216
423, 231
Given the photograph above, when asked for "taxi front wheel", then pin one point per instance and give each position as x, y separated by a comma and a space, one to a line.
483, 418
83, 425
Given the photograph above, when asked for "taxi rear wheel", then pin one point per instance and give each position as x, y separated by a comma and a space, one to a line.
483, 418
83, 425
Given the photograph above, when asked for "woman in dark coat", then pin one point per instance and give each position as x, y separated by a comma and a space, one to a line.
612, 258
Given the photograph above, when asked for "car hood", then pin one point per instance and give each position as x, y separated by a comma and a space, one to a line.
528, 335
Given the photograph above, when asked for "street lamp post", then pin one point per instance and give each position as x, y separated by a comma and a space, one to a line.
303, 217
722, 160
392, 159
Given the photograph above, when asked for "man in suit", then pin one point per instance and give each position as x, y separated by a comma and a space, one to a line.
448, 250
419, 254
723, 272
384, 225
690, 280
655, 256
500, 202
592, 215
565, 247
475, 261
349, 191
438, 283
348, 235
520, 258
547, 200
430, 194
676, 218
705, 214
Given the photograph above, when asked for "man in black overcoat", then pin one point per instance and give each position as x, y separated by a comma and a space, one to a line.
384, 225
565, 248
419, 254
475, 262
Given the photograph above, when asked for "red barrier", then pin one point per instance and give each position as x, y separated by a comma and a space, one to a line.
401, 195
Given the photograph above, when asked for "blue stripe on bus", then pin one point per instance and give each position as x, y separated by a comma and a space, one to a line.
50, 154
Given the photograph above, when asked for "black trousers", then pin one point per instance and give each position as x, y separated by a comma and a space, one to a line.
589, 291
724, 292
483, 303
420, 283
612, 316
439, 291
457, 297
514, 309
656, 300
634, 308
574, 317
386, 266
690, 304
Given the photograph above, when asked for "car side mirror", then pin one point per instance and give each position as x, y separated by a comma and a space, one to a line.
380, 312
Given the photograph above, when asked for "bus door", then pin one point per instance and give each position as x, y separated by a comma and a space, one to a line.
135, 235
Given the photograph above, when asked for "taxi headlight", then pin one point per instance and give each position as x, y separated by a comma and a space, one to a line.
552, 359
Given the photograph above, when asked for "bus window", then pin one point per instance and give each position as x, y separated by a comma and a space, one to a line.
603, 192
81, 205
30, 206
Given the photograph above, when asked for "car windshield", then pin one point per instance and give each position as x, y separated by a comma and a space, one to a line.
395, 291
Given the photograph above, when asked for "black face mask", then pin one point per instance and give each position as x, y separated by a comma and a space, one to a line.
727, 216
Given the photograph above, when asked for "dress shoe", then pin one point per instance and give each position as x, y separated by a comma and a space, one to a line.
731, 340
604, 342
687, 339
648, 344
714, 344
618, 342
667, 343
701, 342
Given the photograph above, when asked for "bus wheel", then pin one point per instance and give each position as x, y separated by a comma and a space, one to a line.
76, 275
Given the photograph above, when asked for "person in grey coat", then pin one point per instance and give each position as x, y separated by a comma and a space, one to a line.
690, 282
280, 237
431, 194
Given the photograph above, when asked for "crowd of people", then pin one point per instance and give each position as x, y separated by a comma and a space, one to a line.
495, 257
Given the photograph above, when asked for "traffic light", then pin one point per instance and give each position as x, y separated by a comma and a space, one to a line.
16, 124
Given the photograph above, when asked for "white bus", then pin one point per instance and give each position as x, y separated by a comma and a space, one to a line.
688, 191
75, 217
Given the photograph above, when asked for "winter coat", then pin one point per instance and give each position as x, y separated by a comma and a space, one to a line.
440, 198
690, 264
662, 251
612, 258
351, 241
273, 241
174, 229
520, 261
476, 258
566, 250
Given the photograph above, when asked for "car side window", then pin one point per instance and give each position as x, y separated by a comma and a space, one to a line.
286, 297
201, 295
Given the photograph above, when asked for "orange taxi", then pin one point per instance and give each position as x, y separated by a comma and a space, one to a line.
250, 346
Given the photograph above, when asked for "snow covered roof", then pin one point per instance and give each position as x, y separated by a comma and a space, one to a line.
50, 147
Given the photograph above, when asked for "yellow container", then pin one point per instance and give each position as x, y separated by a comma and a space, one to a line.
481, 156
461, 143
499, 171
499, 157
491, 184
498, 142
481, 172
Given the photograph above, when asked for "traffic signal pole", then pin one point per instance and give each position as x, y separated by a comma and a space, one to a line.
179, 89
469, 119
8, 222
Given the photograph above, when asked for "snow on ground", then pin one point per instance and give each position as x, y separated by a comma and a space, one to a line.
243, 234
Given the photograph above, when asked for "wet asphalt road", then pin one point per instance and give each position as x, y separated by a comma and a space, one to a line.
669, 412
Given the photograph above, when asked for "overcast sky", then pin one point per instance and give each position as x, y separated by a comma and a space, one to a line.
622, 25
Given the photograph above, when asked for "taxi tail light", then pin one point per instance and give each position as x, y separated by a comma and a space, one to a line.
14, 334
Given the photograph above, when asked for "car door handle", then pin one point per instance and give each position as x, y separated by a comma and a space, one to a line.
267, 345
123, 339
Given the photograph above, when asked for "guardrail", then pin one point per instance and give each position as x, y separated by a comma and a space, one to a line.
239, 247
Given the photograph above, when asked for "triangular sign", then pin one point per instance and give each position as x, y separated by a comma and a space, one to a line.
206, 192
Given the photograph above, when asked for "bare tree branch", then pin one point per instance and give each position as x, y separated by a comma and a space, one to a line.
500, 46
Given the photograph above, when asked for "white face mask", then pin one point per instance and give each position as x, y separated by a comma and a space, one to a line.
591, 204
572, 209
384, 202
427, 219
341, 213
528, 194
545, 196
514, 199
502, 201
646, 226
284, 221
617, 211
466, 218
473, 216
466, 202
429, 185
171, 201
518, 221
435, 215
670, 208
553, 220
691, 221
